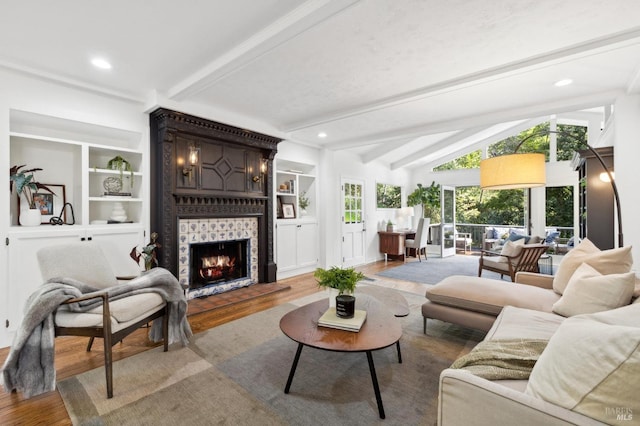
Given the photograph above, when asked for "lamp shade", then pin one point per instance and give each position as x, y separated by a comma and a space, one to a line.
513, 171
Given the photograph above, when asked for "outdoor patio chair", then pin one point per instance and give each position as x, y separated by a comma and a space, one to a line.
525, 261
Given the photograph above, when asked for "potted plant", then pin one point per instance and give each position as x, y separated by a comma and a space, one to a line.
343, 280
148, 253
122, 165
389, 226
303, 202
429, 198
27, 186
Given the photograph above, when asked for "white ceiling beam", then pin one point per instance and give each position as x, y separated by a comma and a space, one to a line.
304, 17
434, 148
479, 120
533, 62
383, 149
434, 161
634, 82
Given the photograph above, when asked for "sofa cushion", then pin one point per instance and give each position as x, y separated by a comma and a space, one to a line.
489, 296
588, 363
614, 261
514, 323
588, 291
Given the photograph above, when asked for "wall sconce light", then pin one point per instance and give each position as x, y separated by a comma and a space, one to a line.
263, 170
192, 161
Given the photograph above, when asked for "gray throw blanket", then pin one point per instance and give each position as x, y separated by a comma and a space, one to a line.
502, 359
29, 368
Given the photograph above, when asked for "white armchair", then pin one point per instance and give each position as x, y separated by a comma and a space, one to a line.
112, 320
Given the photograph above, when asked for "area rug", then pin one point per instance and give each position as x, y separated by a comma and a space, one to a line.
435, 269
236, 373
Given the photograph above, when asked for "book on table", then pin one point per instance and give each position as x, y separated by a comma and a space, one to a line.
331, 320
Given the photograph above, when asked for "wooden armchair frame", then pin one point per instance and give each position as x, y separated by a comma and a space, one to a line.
525, 261
110, 338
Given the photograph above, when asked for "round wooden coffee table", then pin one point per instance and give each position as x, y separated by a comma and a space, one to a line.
380, 330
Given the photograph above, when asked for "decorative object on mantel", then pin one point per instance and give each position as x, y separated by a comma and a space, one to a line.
122, 165
29, 214
148, 253
343, 280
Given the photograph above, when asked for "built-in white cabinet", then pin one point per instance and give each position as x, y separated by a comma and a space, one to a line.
24, 243
297, 247
74, 158
297, 236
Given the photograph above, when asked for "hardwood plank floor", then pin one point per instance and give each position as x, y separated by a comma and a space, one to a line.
71, 357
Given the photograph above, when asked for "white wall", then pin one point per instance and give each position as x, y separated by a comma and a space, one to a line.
344, 166
331, 168
626, 126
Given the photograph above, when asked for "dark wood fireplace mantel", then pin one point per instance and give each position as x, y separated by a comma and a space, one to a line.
227, 181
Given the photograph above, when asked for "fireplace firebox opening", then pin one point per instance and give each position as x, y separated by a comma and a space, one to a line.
218, 262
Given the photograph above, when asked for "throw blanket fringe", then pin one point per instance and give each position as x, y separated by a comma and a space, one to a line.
29, 368
502, 359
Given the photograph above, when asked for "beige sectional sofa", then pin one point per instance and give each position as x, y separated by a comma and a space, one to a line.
589, 371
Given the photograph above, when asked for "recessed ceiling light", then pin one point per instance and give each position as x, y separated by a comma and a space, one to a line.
101, 63
322, 135
563, 82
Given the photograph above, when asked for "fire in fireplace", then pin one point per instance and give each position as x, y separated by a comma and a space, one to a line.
217, 262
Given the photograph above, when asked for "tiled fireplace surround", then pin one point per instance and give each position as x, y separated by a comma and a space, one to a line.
213, 230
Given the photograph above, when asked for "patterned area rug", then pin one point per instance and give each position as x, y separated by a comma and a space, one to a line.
435, 269
236, 373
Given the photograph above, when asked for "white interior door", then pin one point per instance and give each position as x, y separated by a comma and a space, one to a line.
353, 225
448, 207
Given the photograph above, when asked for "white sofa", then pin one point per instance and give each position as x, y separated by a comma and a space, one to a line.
589, 372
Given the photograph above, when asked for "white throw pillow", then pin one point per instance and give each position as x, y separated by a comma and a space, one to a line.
588, 292
614, 261
512, 248
591, 366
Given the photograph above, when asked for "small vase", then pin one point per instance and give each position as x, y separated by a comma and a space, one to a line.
345, 306
30, 217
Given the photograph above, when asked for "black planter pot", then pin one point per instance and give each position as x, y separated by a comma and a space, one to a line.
345, 305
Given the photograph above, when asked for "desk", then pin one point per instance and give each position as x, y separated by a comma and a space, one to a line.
392, 243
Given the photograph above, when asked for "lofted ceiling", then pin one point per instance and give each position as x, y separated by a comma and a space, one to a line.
405, 82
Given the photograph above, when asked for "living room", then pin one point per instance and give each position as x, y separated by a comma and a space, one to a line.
396, 89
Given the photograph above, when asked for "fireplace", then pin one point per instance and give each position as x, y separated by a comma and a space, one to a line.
226, 196
214, 263
217, 238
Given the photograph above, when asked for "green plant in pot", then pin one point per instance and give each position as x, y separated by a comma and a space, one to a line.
344, 280
27, 187
122, 165
429, 198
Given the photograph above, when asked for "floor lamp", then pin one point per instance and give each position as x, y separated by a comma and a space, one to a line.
517, 170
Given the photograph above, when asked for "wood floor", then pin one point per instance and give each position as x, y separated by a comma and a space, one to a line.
71, 357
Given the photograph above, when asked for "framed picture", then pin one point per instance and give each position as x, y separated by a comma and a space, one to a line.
49, 204
288, 211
